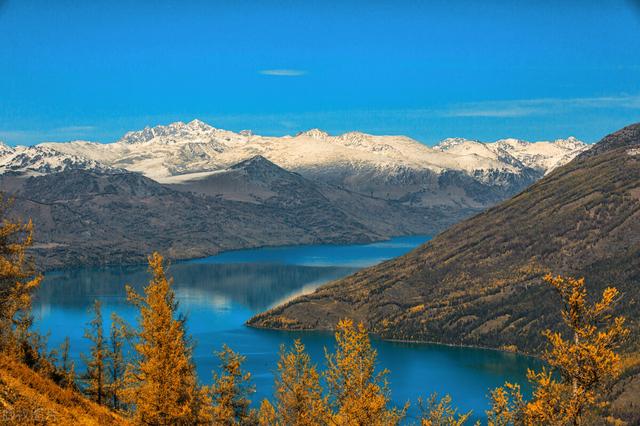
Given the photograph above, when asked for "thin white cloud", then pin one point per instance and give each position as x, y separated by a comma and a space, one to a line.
74, 129
541, 106
283, 72
20, 137
483, 111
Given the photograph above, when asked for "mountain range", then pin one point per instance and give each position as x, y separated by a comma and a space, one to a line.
155, 188
457, 172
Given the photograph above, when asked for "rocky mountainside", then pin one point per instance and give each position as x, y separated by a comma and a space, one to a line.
104, 217
457, 174
479, 282
260, 182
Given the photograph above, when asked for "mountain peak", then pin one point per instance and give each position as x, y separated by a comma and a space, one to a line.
571, 143
255, 161
314, 134
173, 131
354, 136
5, 149
449, 143
513, 142
199, 125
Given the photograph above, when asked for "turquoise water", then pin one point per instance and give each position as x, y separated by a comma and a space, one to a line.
218, 294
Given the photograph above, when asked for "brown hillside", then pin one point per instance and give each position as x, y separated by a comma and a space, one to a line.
27, 398
479, 283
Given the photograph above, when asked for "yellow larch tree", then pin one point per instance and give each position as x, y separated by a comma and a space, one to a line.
357, 394
116, 366
230, 392
161, 379
439, 412
582, 367
67, 369
18, 281
95, 375
507, 406
298, 393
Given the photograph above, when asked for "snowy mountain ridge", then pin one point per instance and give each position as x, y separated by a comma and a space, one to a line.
543, 155
179, 149
42, 159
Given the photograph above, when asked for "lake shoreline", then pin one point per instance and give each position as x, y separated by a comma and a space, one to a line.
413, 342
213, 253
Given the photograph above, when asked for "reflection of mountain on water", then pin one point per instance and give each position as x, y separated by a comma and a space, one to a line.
256, 286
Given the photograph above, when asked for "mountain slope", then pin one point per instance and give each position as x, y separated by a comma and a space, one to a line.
27, 398
479, 282
260, 182
92, 218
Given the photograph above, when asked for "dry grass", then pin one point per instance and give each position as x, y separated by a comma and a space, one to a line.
26, 398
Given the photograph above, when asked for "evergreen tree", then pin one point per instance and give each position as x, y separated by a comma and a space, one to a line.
582, 367
95, 376
116, 366
439, 412
299, 399
161, 379
231, 390
358, 395
507, 406
18, 281
67, 366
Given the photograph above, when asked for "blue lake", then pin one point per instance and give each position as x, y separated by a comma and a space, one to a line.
219, 293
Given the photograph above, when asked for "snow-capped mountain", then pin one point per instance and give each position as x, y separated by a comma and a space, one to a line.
180, 148
42, 159
5, 149
457, 172
542, 156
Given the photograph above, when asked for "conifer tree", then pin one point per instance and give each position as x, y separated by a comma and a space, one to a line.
299, 399
231, 390
116, 366
67, 366
507, 406
161, 380
18, 281
582, 366
95, 376
439, 412
358, 395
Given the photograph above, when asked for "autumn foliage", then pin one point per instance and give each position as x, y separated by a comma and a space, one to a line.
231, 390
582, 365
18, 281
96, 375
161, 380
298, 392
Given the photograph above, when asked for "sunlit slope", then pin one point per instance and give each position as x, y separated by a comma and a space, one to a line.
27, 398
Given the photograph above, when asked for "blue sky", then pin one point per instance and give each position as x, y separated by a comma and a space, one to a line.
484, 70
